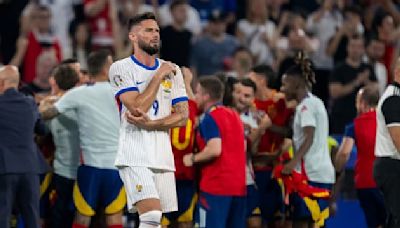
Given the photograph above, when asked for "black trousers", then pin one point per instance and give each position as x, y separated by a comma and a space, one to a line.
21, 191
387, 178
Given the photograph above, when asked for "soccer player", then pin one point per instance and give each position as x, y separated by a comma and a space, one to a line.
271, 102
255, 126
182, 140
371, 199
98, 182
152, 99
310, 135
221, 141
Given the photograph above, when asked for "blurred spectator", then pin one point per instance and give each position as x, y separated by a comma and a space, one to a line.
81, 42
384, 26
40, 86
242, 62
97, 12
257, 32
351, 25
211, 50
64, 14
10, 12
287, 48
176, 39
192, 21
38, 40
208, 7
130, 8
346, 79
375, 50
21, 162
323, 24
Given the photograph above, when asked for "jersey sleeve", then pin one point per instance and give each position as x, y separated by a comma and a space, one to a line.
349, 131
391, 110
178, 88
208, 128
121, 81
307, 119
70, 100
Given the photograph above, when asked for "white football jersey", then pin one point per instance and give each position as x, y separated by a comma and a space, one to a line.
139, 147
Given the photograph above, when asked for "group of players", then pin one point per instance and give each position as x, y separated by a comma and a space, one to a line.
181, 158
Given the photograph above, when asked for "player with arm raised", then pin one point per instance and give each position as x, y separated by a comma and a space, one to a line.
147, 89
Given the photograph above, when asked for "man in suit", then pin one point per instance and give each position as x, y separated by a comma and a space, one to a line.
20, 160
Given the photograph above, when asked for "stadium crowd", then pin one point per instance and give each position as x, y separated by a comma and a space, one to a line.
285, 88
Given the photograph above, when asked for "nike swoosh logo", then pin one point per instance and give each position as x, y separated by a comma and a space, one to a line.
138, 83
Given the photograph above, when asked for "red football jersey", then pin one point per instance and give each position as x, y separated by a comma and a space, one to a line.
100, 26
182, 140
365, 142
226, 174
280, 115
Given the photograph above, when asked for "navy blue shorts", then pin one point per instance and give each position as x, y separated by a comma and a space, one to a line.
98, 187
300, 211
187, 199
269, 195
252, 202
371, 201
215, 211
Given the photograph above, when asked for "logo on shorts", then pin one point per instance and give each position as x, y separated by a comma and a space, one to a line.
139, 187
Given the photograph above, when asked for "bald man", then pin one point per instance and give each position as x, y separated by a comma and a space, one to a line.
20, 161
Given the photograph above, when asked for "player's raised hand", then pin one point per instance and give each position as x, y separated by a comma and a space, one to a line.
187, 75
166, 70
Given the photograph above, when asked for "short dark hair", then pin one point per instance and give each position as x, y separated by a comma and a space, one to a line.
176, 3
139, 18
370, 95
69, 61
96, 61
266, 71
213, 86
241, 49
357, 37
228, 83
249, 83
65, 77
43, 8
353, 9
372, 37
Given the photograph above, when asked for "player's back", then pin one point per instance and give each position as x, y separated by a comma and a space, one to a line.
98, 122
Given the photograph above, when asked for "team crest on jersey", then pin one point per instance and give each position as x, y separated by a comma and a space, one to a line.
139, 187
167, 85
117, 80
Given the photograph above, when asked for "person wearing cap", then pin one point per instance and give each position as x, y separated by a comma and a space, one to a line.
210, 51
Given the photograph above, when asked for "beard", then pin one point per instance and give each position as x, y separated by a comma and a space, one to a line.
148, 49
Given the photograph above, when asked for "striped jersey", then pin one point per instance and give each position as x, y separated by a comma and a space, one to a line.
140, 147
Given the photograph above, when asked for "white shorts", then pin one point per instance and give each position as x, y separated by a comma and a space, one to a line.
145, 183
